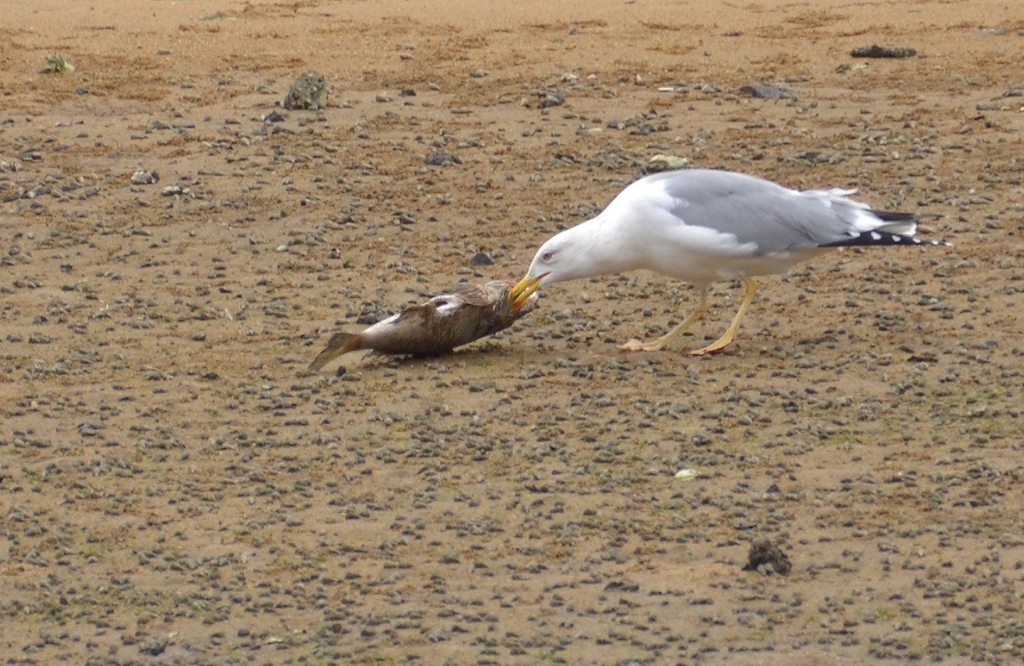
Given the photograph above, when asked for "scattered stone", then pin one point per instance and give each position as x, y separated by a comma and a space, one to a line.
308, 92
481, 259
441, 158
876, 51
666, 163
765, 91
551, 99
143, 177
767, 558
57, 64
153, 647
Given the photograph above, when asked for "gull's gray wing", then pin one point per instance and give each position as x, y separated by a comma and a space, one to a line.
770, 216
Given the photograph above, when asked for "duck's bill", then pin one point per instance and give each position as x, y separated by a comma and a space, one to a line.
323, 358
340, 343
523, 290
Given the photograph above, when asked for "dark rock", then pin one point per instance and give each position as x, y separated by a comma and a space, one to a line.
481, 259
153, 647
766, 557
876, 51
621, 586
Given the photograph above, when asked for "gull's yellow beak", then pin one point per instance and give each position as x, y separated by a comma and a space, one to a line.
522, 291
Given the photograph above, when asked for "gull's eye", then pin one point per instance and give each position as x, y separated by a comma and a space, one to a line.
546, 256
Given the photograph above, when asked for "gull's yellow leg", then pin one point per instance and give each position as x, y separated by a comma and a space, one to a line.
730, 333
662, 342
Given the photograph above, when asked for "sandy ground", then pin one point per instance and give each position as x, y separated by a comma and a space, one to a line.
175, 488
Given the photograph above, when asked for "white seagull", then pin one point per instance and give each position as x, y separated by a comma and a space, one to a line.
703, 226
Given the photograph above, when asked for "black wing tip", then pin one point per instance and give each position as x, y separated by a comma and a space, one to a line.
885, 238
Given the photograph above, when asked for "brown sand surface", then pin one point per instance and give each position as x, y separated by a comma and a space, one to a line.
176, 488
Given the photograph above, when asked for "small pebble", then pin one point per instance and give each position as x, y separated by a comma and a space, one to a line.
481, 259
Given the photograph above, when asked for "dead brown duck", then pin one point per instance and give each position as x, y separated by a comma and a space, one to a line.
437, 326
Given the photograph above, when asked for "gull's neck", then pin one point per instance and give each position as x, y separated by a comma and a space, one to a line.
604, 244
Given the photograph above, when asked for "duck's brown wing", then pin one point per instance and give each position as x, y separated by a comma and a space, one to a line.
475, 295
482, 310
418, 330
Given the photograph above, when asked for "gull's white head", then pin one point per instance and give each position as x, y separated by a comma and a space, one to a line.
558, 259
568, 255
